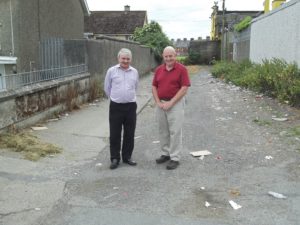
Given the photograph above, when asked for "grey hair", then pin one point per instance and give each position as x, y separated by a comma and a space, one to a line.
125, 51
170, 48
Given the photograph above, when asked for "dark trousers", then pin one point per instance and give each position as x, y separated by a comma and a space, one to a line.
122, 116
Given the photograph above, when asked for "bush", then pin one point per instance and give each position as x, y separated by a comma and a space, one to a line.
243, 24
273, 77
193, 58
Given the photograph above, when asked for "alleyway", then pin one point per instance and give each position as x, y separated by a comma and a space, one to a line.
252, 154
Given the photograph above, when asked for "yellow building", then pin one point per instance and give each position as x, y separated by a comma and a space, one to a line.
230, 19
275, 4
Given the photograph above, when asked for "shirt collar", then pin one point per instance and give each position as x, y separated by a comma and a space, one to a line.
129, 68
174, 67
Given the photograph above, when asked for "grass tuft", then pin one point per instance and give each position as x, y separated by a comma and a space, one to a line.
28, 144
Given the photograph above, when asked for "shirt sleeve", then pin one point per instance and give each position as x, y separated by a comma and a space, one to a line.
154, 81
107, 83
185, 80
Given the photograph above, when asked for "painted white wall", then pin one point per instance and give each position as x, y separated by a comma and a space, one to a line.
277, 34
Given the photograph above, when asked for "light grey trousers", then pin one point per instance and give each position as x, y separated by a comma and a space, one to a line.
170, 129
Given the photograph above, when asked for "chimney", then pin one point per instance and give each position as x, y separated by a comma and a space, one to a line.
192, 39
126, 8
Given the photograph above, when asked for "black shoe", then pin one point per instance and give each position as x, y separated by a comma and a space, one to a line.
114, 164
162, 159
172, 165
130, 162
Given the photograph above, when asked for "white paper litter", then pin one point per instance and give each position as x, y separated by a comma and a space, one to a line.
268, 157
201, 157
155, 142
276, 195
279, 119
234, 205
39, 128
207, 204
200, 153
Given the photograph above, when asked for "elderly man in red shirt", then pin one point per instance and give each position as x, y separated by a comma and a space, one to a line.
169, 86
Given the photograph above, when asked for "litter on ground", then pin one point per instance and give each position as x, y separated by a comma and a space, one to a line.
200, 153
39, 128
277, 195
234, 205
280, 119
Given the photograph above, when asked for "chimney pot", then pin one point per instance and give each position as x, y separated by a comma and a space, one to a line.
126, 8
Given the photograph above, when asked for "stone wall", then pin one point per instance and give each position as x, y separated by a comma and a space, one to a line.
28, 105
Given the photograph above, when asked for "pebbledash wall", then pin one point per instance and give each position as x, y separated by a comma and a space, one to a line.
277, 34
28, 105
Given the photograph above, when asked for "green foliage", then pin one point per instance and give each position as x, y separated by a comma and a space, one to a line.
152, 36
181, 59
194, 58
243, 24
274, 77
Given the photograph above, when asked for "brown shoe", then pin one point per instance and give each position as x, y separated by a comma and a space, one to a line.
162, 159
172, 165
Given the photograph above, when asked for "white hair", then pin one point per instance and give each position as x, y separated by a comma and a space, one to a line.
170, 48
125, 51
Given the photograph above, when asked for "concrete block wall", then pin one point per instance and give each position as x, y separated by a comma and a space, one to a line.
102, 54
207, 49
277, 34
241, 45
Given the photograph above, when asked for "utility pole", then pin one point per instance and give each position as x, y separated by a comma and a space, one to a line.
223, 48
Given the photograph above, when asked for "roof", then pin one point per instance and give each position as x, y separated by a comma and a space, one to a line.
255, 13
8, 60
115, 22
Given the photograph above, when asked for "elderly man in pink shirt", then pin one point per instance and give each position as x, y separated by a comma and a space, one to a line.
120, 86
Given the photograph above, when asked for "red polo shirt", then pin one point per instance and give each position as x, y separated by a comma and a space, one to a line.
168, 83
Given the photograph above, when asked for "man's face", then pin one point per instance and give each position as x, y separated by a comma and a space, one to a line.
124, 61
169, 57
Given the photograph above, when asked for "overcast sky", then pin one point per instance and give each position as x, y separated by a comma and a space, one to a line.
190, 20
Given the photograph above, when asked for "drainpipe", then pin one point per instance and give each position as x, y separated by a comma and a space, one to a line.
12, 30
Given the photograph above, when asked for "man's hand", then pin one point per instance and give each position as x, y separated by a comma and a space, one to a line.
166, 105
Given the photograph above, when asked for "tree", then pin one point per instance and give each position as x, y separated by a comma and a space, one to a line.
152, 36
